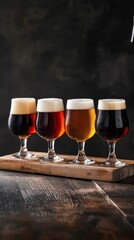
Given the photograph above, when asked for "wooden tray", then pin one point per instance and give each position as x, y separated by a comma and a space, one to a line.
64, 169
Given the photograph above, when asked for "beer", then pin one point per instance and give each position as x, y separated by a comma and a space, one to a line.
111, 125
80, 121
22, 125
50, 125
112, 122
80, 125
22, 117
50, 118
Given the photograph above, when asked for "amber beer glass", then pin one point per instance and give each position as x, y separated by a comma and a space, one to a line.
112, 125
80, 125
50, 124
21, 123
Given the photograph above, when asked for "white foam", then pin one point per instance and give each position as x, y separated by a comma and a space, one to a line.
23, 106
50, 105
80, 104
111, 104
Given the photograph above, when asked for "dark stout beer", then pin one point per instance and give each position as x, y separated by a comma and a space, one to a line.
22, 125
112, 124
50, 125
21, 121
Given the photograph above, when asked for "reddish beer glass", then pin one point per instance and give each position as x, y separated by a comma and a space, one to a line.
112, 125
21, 123
50, 124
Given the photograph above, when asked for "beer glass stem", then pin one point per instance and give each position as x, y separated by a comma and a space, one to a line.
112, 155
51, 150
81, 152
23, 147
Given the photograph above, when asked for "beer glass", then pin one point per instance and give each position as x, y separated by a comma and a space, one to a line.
111, 125
50, 124
21, 123
80, 125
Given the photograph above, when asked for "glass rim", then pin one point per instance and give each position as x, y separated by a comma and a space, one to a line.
23, 99
23, 106
49, 99
80, 99
112, 100
80, 103
50, 105
111, 104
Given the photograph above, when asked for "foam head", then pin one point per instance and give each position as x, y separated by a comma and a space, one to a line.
80, 104
111, 104
50, 105
23, 106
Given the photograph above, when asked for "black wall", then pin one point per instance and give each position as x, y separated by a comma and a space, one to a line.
66, 49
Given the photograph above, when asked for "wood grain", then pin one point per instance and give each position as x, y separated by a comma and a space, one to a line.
122, 197
45, 207
91, 172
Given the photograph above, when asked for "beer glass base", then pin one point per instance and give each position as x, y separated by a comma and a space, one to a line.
54, 159
27, 156
113, 164
85, 162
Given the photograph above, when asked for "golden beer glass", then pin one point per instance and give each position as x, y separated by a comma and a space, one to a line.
80, 125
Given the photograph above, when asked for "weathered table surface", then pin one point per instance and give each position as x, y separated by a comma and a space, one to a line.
45, 207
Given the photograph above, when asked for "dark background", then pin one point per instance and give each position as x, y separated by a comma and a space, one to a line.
66, 49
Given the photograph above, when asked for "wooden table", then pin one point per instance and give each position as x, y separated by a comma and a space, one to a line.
45, 207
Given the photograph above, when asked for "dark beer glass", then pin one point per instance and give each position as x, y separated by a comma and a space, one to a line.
80, 125
50, 124
21, 123
112, 125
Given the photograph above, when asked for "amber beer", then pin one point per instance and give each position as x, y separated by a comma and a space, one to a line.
50, 125
80, 121
112, 121
50, 118
22, 117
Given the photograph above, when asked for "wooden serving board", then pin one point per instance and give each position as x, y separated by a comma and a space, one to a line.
65, 169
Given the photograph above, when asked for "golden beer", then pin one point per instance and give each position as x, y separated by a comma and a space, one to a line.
80, 124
